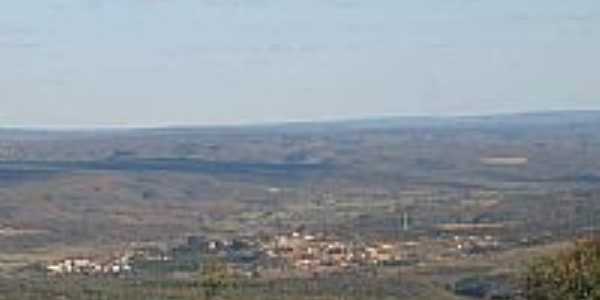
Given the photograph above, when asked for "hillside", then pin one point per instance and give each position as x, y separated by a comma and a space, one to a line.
525, 180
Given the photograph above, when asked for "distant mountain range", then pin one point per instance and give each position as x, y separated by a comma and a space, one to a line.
541, 118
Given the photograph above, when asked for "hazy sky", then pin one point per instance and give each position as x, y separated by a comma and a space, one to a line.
156, 62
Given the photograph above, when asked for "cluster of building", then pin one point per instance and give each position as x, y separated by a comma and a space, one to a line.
474, 244
118, 263
315, 253
238, 252
319, 254
88, 266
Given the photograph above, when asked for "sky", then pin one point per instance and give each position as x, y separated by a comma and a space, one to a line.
203, 62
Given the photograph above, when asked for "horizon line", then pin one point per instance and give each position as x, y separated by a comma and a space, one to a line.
275, 123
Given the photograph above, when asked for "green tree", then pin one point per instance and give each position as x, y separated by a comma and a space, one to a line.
215, 278
571, 275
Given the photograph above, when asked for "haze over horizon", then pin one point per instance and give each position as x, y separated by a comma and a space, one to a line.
189, 62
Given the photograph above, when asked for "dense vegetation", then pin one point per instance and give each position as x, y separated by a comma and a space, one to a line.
217, 287
571, 275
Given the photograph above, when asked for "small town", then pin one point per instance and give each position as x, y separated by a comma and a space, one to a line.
297, 252
90, 267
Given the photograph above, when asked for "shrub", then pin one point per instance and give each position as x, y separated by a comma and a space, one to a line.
571, 275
